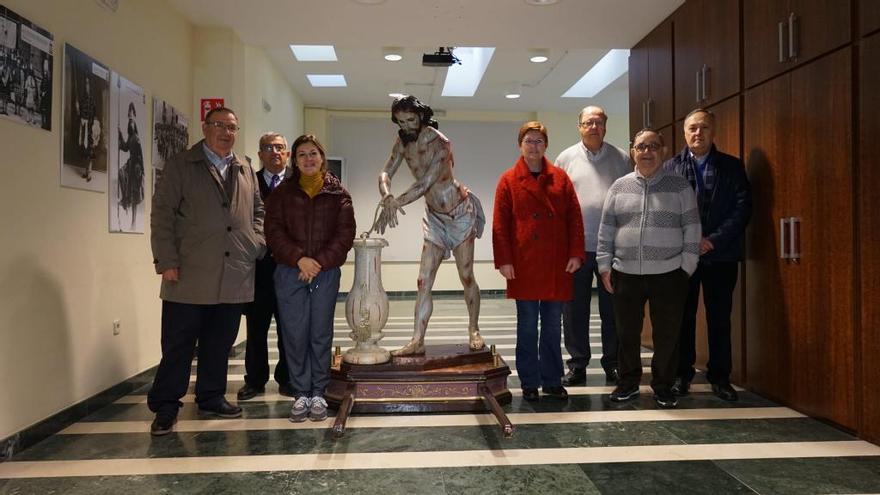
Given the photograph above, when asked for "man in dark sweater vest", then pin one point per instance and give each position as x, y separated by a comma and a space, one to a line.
724, 198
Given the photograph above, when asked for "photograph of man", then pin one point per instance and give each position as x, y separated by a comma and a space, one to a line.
275, 159
207, 233
724, 197
592, 165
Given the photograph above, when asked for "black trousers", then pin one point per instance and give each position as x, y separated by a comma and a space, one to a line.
256, 358
214, 327
718, 280
666, 294
576, 319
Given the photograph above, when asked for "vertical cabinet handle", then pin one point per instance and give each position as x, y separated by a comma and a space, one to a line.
792, 36
794, 249
699, 84
781, 28
650, 121
703, 72
644, 114
783, 254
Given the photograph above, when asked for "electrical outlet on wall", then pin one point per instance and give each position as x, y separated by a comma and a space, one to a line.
116, 327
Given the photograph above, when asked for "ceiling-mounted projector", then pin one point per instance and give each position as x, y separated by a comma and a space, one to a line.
443, 57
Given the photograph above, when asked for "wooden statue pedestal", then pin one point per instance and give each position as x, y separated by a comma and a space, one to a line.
447, 378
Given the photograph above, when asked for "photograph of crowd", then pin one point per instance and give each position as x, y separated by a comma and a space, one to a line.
128, 118
25, 71
170, 135
85, 96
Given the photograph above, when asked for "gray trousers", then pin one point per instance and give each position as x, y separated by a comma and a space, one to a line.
307, 322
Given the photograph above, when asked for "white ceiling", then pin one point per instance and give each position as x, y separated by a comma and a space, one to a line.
576, 33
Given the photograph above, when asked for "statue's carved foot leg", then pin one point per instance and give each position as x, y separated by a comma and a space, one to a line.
475, 340
414, 347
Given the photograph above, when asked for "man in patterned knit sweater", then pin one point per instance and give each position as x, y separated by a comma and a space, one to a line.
648, 247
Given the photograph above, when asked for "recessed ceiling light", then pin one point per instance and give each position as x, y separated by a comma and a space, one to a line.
539, 59
541, 2
369, 2
614, 64
314, 53
396, 95
512, 96
327, 80
462, 79
392, 53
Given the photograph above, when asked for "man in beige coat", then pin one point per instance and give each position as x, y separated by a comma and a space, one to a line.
207, 233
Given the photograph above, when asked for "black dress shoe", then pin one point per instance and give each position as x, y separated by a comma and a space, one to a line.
224, 410
681, 387
558, 392
249, 392
611, 376
725, 392
286, 390
163, 424
575, 377
531, 394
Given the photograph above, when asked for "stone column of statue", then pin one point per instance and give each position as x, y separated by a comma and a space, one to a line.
453, 215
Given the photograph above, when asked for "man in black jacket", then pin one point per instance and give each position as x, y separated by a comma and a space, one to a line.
274, 156
724, 198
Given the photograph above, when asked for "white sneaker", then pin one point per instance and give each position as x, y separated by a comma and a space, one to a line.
300, 409
318, 411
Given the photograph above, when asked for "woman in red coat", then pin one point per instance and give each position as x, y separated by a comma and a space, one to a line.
538, 240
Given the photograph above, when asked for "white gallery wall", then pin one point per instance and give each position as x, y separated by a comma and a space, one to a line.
63, 278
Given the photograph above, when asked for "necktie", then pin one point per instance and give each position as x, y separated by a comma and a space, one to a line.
273, 182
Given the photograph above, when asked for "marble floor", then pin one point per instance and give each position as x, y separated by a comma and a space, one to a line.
585, 445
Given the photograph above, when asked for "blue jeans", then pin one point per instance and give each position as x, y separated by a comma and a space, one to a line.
538, 355
307, 323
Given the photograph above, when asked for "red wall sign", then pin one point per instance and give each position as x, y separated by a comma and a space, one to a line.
210, 103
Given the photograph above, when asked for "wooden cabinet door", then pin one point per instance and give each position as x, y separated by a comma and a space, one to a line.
638, 87
767, 151
820, 27
659, 44
869, 235
818, 174
869, 15
761, 39
689, 56
721, 49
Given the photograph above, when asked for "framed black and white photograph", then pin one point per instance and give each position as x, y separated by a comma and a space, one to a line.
128, 130
85, 96
25, 71
336, 165
170, 135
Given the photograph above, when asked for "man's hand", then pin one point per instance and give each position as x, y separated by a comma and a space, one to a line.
573, 265
507, 272
606, 281
705, 246
388, 215
308, 268
171, 275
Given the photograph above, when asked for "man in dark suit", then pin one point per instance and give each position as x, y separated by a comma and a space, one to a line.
724, 198
274, 156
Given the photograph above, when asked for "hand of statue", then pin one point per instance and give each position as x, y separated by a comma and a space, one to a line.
388, 215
